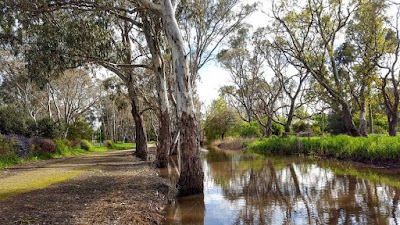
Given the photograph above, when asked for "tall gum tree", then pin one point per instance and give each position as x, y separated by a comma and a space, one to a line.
152, 29
69, 34
191, 174
390, 77
309, 33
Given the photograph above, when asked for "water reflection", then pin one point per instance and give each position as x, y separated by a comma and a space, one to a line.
242, 190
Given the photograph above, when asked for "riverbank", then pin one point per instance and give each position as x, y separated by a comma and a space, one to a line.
112, 187
374, 150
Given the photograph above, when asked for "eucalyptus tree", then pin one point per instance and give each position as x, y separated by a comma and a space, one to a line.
191, 174
363, 50
220, 119
64, 34
308, 32
241, 95
254, 92
207, 25
291, 76
73, 95
18, 89
114, 111
390, 77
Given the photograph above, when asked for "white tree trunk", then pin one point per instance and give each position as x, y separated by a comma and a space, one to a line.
191, 174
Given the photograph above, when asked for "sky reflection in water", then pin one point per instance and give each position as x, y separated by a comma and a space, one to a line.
241, 190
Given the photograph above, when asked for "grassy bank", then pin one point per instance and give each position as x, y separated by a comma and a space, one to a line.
382, 150
59, 148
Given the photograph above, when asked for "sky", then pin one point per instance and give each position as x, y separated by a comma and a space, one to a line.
213, 76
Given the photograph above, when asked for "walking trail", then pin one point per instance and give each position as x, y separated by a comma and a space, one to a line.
100, 188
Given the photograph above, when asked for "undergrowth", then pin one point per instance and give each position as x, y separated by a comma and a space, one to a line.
18, 149
375, 148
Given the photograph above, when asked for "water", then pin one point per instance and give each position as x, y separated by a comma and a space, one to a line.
244, 190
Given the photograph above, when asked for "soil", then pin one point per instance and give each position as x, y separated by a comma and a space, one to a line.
110, 188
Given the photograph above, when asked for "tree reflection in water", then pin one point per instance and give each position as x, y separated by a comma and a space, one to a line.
286, 191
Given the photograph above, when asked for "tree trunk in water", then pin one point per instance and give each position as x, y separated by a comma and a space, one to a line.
348, 120
363, 120
141, 136
191, 174
191, 177
392, 120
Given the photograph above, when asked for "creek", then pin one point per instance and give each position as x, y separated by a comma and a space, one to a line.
243, 189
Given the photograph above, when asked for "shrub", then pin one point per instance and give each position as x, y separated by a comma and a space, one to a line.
86, 145
75, 144
80, 130
109, 144
20, 145
47, 128
43, 146
13, 120
249, 130
6, 148
62, 145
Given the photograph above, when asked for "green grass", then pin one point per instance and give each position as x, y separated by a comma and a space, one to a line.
123, 146
63, 149
374, 149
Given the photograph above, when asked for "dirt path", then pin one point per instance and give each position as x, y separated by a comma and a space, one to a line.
102, 188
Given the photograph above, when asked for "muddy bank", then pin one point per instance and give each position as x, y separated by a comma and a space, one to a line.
115, 188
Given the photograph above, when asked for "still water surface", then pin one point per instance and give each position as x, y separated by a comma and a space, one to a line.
240, 189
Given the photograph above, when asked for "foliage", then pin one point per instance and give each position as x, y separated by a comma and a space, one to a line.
335, 124
375, 148
62, 146
14, 120
43, 146
109, 144
75, 144
86, 145
250, 130
301, 126
80, 130
47, 128
20, 144
7, 152
219, 121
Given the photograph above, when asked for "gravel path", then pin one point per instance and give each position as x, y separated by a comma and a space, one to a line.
101, 188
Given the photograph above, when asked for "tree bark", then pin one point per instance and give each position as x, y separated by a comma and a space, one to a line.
141, 136
363, 120
268, 127
164, 133
290, 117
392, 120
191, 174
348, 120
164, 141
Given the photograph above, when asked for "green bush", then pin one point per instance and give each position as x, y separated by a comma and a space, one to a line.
6, 149
374, 147
62, 146
109, 144
250, 130
86, 145
47, 128
80, 130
